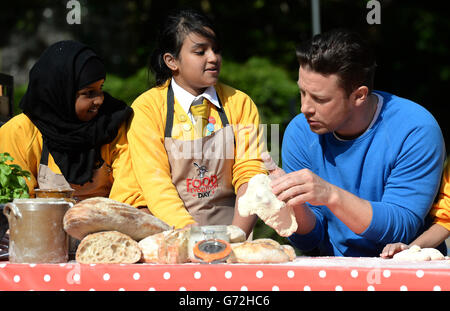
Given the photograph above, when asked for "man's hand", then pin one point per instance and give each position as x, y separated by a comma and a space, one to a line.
391, 249
304, 216
297, 188
271, 166
302, 186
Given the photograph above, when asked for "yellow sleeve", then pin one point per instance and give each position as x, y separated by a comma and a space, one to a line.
124, 188
249, 137
23, 141
441, 209
149, 159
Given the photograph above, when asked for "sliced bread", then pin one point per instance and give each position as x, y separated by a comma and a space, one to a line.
108, 247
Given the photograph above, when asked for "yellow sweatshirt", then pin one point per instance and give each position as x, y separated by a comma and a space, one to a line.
23, 141
441, 209
149, 159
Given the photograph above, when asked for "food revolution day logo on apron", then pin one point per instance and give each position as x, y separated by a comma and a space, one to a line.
201, 186
202, 171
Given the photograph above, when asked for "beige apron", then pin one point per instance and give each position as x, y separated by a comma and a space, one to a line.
99, 186
202, 170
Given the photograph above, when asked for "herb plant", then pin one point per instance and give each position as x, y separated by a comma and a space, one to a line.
12, 180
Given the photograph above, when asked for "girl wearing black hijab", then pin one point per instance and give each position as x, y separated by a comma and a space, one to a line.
71, 134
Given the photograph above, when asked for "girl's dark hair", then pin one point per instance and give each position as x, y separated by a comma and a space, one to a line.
341, 52
171, 36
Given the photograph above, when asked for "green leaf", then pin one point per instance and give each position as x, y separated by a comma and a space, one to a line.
12, 180
21, 182
15, 167
3, 180
5, 157
5, 169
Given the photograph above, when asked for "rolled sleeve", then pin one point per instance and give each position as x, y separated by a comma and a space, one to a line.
392, 223
306, 242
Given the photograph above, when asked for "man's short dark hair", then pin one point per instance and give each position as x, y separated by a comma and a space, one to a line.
341, 52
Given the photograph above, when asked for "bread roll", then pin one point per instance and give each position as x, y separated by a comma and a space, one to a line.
168, 247
108, 247
290, 251
261, 251
236, 234
103, 214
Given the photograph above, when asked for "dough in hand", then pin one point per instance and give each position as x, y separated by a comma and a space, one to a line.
260, 200
416, 253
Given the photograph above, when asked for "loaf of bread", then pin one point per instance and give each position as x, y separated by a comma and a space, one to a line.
261, 251
168, 247
108, 247
103, 214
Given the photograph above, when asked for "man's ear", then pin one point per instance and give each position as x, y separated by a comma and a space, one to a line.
170, 61
360, 95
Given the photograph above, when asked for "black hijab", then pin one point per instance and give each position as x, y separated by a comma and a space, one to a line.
49, 102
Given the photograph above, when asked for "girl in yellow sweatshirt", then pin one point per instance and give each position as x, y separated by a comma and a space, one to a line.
194, 142
71, 133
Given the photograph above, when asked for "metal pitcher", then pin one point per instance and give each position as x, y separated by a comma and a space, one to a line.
36, 232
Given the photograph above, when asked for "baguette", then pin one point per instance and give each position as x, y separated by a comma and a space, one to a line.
108, 247
103, 214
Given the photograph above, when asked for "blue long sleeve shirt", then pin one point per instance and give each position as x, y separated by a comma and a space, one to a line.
396, 165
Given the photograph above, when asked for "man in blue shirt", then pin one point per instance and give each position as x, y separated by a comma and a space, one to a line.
362, 166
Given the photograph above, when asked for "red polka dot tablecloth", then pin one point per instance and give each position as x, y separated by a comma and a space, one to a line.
303, 274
